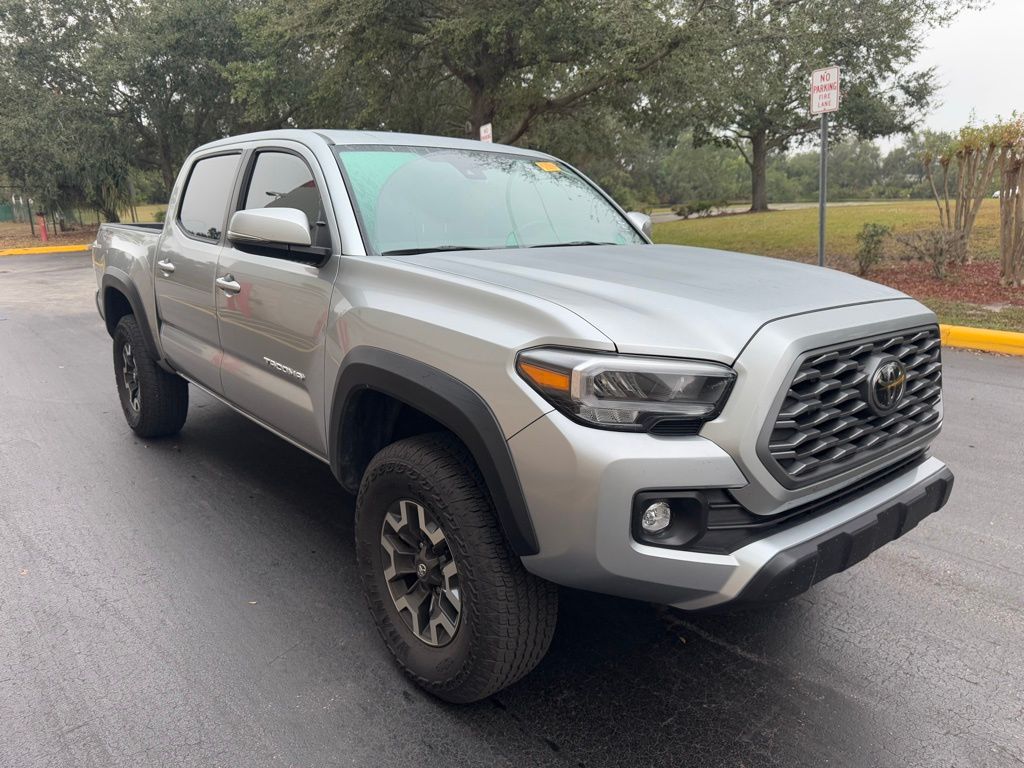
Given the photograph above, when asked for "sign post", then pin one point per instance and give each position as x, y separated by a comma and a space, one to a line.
486, 134
824, 100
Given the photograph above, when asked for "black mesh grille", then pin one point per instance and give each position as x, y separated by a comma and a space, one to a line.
826, 423
676, 427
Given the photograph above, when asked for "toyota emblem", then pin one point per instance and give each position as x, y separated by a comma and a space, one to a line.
888, 385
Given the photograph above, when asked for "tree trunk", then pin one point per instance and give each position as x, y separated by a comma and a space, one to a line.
166, 163
759, 172
481, 111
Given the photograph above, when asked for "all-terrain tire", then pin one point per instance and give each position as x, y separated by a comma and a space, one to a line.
154, 402
507, 615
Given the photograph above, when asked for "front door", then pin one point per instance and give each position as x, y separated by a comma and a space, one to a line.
186, 266
273, 318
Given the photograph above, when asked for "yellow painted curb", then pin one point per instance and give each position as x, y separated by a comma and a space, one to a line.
1006, 342
43, 249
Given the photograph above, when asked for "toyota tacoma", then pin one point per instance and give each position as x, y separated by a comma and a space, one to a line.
520, 388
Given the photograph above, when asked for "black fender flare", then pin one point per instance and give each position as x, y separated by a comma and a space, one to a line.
131, 293
452, 404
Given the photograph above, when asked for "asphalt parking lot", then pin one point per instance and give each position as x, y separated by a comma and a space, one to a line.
194, 602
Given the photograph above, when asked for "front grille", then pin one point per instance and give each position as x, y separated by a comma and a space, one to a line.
826, 423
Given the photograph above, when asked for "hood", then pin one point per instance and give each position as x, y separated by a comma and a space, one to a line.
663, 299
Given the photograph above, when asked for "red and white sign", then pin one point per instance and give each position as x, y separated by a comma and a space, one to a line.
485, 133
825, 90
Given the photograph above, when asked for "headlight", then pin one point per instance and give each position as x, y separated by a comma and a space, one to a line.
628, 393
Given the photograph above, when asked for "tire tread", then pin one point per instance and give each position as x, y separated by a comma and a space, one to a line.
516, 622
164, 396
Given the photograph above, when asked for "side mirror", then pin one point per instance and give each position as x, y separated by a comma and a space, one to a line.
640, 220
271, 226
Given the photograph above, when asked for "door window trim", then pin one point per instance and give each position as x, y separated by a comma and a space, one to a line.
184, 190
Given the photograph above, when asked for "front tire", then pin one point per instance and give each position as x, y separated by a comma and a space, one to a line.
453, 603
154, 402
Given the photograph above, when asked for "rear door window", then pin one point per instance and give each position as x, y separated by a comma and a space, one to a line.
283, 180
204, 203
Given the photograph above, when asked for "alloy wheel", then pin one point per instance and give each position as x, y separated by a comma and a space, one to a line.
421, 573
130, 376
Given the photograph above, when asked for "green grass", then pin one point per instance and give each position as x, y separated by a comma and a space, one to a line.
146, 213
794, 234
1007, 318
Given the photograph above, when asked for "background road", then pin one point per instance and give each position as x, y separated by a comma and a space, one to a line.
194, 602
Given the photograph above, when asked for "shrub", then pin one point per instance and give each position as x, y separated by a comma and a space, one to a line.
699, 208
160, 215
871, 242
936, 246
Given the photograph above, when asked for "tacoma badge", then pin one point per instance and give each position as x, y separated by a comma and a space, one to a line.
285, 369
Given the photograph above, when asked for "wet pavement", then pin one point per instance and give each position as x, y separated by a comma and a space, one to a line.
194, 602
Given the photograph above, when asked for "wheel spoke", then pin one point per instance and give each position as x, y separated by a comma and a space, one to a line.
416, 605
451, 590
130, 376
439, 620
420, 572
429, 528
400, 558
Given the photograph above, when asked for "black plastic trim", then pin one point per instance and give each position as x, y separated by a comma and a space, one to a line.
796, 569
729, 526
130, 292
689, 518
452, 404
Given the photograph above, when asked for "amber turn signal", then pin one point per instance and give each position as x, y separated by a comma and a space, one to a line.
545, 378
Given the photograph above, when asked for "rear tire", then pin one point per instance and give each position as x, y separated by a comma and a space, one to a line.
423, 510
154, 402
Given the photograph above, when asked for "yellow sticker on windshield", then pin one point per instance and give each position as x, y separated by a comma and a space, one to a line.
550, 167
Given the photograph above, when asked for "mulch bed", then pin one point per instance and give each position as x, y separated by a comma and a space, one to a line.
19, 236
976, 283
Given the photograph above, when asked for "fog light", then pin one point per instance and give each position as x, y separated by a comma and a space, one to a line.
656, 517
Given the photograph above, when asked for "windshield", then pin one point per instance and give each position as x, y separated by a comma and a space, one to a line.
418, 199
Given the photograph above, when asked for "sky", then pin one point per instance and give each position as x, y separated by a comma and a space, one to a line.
977, 58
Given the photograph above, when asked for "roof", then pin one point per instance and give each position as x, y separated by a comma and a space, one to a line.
312, 137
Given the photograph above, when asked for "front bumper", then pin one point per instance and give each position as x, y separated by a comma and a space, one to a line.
796, 568
580, 483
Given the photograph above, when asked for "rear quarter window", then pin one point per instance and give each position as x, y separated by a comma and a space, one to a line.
204, 202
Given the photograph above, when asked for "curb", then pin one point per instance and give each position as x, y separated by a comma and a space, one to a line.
963, 337
43, 249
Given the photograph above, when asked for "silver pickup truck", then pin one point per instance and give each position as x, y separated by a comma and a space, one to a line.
522, 389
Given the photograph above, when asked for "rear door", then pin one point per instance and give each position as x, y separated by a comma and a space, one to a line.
186, 268
273, 326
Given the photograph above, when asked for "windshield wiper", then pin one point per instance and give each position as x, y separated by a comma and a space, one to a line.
566, 245
432, 249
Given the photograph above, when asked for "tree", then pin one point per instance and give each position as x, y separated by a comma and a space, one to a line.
754, 96
129, 83
163, 73
1010, 137
453, 65
709, 173
57, 140
975, 153
902, 172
